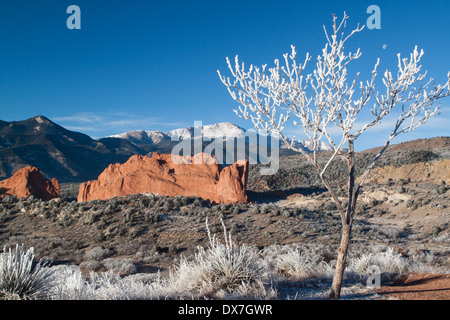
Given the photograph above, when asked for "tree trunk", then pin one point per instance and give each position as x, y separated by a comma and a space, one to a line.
346, 227
340, 264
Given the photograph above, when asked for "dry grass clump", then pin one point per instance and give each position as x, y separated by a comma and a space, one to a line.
223, 269
299, 266
99, 258
68, 284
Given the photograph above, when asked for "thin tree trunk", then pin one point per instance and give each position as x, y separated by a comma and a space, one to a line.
346, 227
340, 264
351, 181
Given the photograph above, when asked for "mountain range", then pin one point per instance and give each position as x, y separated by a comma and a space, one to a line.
57, 152
149, 140
71, 156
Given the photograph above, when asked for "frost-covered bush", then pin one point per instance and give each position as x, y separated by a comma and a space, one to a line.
123, 267
68, 284
110, 286
91, 265
97, 254
18, 278
299, 266
444, 237
388, 262
223, 268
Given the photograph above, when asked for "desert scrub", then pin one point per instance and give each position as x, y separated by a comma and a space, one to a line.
91, 265
3, 216
69, 284
255, 210
98, 253
300, 266
123, 267
197, 203
221, 268
286, 212
19, 279
442, 189
10, 199
417, 156
236, 210
135, 232
128, 216
153, 218
388, 261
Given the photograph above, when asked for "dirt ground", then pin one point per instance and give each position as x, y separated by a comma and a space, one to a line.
420, 286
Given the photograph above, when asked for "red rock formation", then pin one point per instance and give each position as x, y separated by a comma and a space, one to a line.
29, 181
199, 176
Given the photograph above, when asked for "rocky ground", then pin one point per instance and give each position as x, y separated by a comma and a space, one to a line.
149, 233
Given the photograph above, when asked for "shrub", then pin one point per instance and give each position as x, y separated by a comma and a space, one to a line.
153, 218
264, 209
361, 210
97, 254
420, 156
68, 284
236, 210
109, 210
285, 212
18, 278
10, 199
389, 261
255, 210
299, 266
409, 203
123, 267
197, 203
441, 189
223, 267
91, 265
135, 232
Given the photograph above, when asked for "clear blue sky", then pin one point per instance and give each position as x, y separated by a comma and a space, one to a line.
152, 65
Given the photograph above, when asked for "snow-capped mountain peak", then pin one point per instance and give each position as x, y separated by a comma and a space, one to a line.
225, 130
213, 131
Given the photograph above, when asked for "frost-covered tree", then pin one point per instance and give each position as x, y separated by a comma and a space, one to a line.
325, 99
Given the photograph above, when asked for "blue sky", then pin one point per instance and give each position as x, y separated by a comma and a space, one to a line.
152, 65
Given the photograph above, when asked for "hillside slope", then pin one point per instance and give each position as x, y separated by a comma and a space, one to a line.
56, 151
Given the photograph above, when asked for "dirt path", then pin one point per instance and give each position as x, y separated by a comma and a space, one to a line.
419, 286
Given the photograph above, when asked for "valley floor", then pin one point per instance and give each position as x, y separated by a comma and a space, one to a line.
402, 228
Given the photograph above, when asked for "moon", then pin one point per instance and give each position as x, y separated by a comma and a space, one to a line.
385, 46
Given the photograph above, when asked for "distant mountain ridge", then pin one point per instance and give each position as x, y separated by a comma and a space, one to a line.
149, 139
213, 131
75, 157
57, 152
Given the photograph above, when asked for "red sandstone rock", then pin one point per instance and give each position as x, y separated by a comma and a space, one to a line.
199, 176
29, 181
